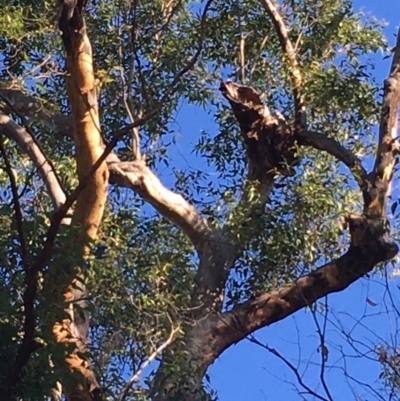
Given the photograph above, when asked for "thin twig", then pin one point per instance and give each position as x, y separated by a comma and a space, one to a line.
195, 56
259, 55
126, 97
169, 91
134, 36
147, 362
293, 368
17, 206
323, 349
242, 51
28, 344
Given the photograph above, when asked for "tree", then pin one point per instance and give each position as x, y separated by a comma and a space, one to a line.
297, 211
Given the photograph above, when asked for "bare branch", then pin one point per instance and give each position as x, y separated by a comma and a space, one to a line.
279, 303
293, 368
290, 54
147, 362
324, 351
137, 176
46, 169
322, 142
17, 205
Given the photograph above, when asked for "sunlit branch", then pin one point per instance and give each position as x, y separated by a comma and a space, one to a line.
27, 141
137, 176
290, 54
387, 147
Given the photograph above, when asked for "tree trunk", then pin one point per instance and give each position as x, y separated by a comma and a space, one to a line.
72, 329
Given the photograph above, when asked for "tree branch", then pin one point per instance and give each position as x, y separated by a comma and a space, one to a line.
322, 142
147, 362
123, 174
388, 147
16, 101
28, 344
279, 303
46, 169
288, 50
138, 177
17, 205
269, 151
290, 365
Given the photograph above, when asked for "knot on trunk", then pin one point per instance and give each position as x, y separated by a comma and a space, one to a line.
269, 140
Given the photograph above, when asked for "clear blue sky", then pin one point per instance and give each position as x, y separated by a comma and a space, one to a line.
246, 372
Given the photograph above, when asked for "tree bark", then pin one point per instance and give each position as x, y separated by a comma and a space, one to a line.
72, 329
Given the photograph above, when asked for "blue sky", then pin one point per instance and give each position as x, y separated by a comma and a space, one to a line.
247, 372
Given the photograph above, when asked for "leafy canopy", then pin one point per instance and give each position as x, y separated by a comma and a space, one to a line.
140, 276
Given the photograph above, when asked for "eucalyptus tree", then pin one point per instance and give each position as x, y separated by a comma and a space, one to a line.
289, 205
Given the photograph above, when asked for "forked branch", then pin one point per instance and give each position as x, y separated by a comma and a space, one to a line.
369, 243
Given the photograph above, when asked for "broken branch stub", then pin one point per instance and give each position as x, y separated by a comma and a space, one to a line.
269, 140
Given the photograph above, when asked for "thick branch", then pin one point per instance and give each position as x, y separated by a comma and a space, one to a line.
216, 251
137, 176
40, 160
270, 149
277, 304
322, 142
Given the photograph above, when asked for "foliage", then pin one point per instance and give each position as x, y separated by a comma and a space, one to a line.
140, 276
